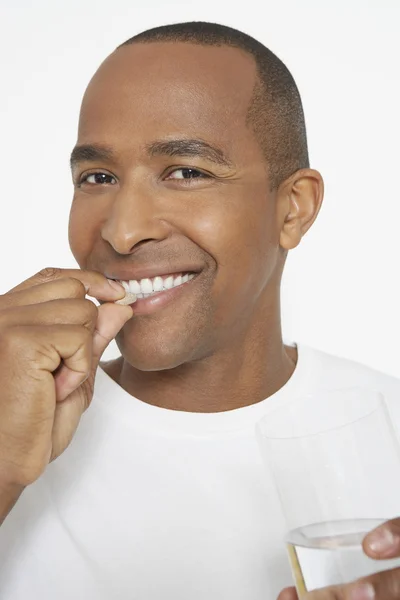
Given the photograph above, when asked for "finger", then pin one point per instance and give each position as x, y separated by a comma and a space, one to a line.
288, 593
380, 586
55, 312
66, 420
94, 283
52, 290
384, 541
110, 319
383, 586
76, 365
360, 590
71, 404
48, 347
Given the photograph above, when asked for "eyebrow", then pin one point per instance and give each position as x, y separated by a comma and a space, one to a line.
191, 148
179, 147
91, 153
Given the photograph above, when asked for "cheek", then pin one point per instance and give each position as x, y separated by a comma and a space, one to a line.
247, 251
82, 230
240, 233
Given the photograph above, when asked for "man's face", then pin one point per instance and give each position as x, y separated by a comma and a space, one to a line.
183, 188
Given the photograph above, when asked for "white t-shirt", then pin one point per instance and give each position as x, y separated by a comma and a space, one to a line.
154, 504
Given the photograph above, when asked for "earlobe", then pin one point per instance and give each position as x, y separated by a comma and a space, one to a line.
291, 231
300, 198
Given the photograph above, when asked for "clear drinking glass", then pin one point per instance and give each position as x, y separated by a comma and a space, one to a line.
335, 461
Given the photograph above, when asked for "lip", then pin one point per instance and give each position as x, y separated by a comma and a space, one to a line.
150, 272
147, 306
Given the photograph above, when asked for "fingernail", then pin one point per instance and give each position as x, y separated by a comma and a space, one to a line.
116, 286
362, 591
381, 540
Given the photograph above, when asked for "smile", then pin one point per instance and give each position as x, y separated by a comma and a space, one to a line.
144, 288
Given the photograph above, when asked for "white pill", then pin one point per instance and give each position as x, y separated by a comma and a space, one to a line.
128, 299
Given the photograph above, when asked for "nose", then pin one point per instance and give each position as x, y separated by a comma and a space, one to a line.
133, 218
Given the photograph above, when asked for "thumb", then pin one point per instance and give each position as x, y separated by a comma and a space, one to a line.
384, 541
110, 320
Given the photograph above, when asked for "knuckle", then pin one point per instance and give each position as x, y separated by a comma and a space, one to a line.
48, 274
73, 287
80, 335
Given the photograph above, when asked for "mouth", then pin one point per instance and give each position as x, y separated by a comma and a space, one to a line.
145, 288
156, 292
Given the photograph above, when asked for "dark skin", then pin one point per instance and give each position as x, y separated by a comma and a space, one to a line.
219, 346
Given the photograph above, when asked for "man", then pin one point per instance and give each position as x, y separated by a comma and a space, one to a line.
192, 182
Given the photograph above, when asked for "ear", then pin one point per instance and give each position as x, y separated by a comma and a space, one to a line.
299, 200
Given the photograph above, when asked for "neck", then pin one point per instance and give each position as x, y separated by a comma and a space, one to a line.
247, 372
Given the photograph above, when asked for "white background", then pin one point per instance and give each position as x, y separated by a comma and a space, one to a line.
341, 289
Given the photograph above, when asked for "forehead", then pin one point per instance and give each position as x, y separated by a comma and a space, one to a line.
167, 88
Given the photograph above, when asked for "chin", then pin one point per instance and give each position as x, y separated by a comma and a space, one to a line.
146, 356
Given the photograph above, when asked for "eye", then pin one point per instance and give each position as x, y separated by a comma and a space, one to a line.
98, 178
187, 173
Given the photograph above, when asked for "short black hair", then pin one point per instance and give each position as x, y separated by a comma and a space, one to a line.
275, 112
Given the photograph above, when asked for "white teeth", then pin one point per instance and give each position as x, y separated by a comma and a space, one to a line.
169, 282
134, 286
178, 280
158, 284
146, 286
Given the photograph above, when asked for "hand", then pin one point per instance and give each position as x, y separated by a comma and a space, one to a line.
51, 342
381, 543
